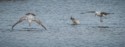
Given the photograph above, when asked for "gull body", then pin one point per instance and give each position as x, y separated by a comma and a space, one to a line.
75, 21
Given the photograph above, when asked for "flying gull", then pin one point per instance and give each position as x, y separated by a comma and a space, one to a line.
29, 17
99, 13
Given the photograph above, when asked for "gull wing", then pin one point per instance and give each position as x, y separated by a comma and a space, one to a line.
19, 21
88, 12
105, 13
40, 23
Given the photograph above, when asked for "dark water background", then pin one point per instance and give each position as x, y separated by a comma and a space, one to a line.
55, 15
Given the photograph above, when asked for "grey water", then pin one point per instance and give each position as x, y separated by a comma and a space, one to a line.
55, 15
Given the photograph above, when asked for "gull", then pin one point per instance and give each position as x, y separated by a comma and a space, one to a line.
75, 21
29, 17
99, 14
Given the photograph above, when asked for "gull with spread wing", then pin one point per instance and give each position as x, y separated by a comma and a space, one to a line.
99, 13
30, 17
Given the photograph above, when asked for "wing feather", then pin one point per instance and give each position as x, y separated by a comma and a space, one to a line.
19, 21
40, 23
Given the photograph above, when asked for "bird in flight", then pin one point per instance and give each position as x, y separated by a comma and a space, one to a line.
75, 21
29, 17
99, 13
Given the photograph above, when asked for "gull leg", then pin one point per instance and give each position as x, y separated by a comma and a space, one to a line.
101, 19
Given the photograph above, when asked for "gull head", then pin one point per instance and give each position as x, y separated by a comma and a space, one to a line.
30, 14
